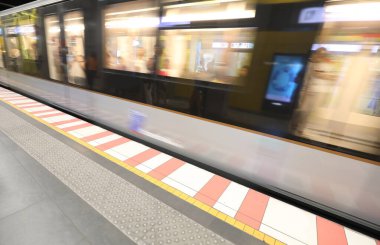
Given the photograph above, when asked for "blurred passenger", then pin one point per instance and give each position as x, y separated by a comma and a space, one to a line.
91, 68
164, 71
360, 73
140, 62
242, 75
63, 52
56, 59
317, 88
77, 70
155, 92
121, 65
154, 62
222, 67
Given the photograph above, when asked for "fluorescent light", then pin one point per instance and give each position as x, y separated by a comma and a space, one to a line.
27, 29
54, 29
219, 45
222, 15
232, 45
133, 23
350, 48
71, 19
364, 11
132, 11
74, 28
201, 3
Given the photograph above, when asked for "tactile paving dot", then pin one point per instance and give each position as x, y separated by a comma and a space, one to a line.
138, 215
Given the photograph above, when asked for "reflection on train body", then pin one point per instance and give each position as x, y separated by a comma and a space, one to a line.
306, 70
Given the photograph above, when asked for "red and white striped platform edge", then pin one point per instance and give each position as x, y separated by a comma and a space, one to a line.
275, 218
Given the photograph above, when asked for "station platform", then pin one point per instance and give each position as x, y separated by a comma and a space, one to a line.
66, 181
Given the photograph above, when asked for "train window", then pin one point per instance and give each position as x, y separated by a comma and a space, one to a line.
28, 42
74, 36
52, 35
340, 98
130, 36
21, 42
215, 55
13, 47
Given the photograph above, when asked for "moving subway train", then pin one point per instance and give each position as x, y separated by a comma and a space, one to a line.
282, 95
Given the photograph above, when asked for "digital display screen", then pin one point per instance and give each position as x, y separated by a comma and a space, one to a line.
282, 81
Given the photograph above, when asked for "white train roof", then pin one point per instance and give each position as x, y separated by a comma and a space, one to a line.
27, 6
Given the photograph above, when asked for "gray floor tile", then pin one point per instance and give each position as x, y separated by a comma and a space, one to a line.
18, 190
84, 242
9, 164
42, 223
7, 145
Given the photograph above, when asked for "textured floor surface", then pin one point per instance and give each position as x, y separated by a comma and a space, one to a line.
138, 215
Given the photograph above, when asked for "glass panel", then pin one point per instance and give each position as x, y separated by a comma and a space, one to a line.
14, 54
27, 37
216, 55
130, 36
28, 40
340, 99
52, 35
21, 42
74, 34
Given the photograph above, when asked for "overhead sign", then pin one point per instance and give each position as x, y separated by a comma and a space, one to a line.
311, 15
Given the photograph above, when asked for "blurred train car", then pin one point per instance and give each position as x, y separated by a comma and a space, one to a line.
282, 95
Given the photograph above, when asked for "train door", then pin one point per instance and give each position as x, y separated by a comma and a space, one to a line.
65, 47
20, 41
13, 47
74, 41
52, 37
27, 35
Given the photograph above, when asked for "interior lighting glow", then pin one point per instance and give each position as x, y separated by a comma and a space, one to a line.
202, 3
131, 11
72, 19
350, 48
54, 29
219, 45
222, 15
27, 29
133, 23
74, 28
364, 11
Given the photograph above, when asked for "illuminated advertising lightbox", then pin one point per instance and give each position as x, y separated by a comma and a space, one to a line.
283, 78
